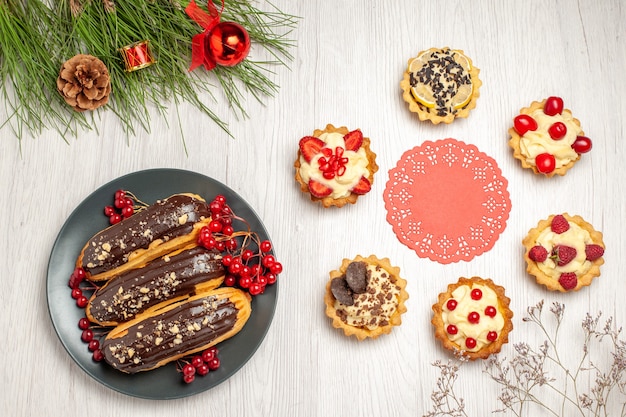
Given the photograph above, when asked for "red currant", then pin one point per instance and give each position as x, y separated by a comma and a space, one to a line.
86, 336
473, 317
228, 230
523, 123
207, 355
235, 268
546, 163
452, 329
203, 369
476, 294
215, 207
80, 273
490, 311
214, 349
271, 278
451, 304
553, 106
215, 226
189, 378
220, 199
492, 336
582, 144
227, 259
262, 280
196, 361
119, 203
265, 246
115, 218
97, 355
83, 323
557, 131
220, 246
247, 254
120, 194
108, 210
82, 301
255, 288
470, 343
214, 363
128, 202
276, 268
268, 261
76, 293
245, 282
128, 211
93, 345
231, 244
189, 369
230, 280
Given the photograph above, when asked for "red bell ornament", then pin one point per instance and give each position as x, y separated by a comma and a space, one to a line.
228, 43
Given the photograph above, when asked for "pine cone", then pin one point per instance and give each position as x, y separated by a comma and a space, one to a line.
84, 82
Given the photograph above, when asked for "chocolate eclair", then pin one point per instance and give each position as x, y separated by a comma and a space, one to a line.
176, 329
161, 228
171, 277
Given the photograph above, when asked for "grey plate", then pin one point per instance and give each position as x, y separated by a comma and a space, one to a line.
86, 220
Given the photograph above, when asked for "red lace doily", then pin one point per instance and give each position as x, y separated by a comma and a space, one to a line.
447, 201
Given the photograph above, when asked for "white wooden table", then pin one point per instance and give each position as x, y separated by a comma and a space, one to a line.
348, 63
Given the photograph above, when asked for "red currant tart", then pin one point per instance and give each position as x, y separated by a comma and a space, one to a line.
564, 252
335, 166
546, 138
473, 316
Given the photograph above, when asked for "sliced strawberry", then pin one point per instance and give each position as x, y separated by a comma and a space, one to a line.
363, 186
593, 252
568, 280
310, 146
559, 224
353, 140
319, 190
563, 254
538, 253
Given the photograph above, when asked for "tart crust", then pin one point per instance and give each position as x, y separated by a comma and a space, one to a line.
514, 142
503, 308
350, 198
549, 282
395, 319
423, 112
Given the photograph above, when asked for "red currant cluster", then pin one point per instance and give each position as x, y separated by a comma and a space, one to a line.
246, 268
125, 204
201, 364
76, 278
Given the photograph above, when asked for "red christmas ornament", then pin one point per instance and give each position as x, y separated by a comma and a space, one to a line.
228, 43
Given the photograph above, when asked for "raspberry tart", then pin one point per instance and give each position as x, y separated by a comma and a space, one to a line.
366, 297
473, 317
441, 84
547, 139
335, 166
564, 252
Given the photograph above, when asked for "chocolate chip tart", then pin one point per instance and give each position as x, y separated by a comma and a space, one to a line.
161, 228
366, 297
173, 330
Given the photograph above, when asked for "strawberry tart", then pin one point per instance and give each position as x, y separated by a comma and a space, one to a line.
564, 252
473, 317
546, 138
335, 166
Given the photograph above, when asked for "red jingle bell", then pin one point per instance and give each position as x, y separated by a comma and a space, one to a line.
228, 43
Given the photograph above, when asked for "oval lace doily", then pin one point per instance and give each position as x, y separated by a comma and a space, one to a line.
447, 201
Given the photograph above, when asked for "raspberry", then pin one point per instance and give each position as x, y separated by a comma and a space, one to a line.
563, 255
593, 252
538, 253
559, 224
568, 280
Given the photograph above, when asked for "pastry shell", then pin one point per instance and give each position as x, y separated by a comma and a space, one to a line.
503, 308
362, 333
350, 198
549, 282
514, 142
423, 112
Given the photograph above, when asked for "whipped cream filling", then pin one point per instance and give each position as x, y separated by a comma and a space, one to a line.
535, 142
376, 305
465, 306
356, 167
577, 238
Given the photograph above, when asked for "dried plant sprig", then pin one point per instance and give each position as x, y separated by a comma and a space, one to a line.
538, 379
444, 398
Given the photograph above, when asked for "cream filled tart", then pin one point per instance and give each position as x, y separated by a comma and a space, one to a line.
473, 316
366, 297
335, 166
546, 138
440, 85
564, 253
